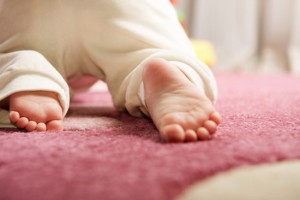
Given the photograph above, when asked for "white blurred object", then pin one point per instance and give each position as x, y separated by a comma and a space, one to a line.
248, 35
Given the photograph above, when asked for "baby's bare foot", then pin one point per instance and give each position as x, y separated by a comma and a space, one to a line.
177, 108
36, 111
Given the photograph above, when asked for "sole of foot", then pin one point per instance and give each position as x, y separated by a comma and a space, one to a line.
180, 111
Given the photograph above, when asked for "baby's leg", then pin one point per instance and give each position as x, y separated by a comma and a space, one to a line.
177, 107
36, 111
26, 92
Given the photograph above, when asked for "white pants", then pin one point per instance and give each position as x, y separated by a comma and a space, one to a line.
45, 43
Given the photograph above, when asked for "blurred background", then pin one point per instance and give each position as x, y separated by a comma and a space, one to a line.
246, 35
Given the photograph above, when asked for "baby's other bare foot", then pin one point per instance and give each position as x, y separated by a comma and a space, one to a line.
36, 111
177, 108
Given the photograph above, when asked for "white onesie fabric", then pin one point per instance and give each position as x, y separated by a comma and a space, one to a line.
45, 43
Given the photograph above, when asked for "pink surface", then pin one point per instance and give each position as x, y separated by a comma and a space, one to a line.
107, 155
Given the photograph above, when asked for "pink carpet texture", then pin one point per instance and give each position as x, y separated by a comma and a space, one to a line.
103, 154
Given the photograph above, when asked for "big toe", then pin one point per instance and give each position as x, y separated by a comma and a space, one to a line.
173, 133
55, 125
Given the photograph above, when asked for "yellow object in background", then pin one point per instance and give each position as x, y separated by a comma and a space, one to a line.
204, 51
203, 48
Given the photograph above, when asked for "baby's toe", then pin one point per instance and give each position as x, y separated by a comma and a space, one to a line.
55, 125
31, 126
211, 126
190, 136
22, 122
216, 117
41, 127
203, 133
173, 133
14, 116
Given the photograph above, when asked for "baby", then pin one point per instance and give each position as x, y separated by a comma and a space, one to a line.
137, 47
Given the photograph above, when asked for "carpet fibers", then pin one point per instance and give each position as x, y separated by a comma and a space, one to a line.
103, 154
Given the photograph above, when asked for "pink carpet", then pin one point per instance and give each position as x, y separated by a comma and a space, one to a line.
106, 155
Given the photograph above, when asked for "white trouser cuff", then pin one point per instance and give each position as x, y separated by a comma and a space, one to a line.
32, 82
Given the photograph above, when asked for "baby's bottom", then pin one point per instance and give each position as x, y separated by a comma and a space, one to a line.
177, 108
